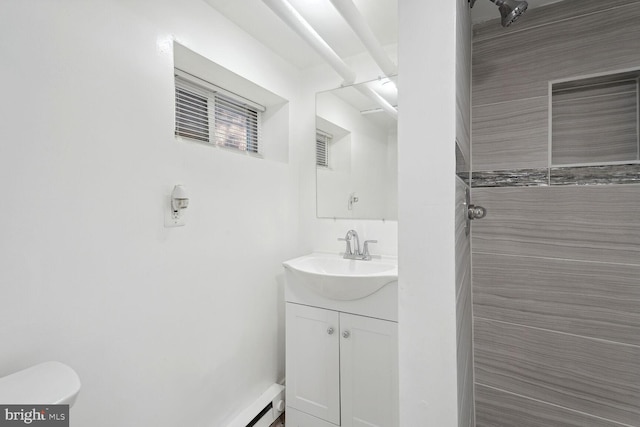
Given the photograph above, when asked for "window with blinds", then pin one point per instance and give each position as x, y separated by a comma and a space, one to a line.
210, 114
322, 148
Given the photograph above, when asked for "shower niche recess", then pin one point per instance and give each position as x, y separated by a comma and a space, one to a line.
594, 120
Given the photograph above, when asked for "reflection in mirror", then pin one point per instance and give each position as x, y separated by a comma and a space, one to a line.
356, 151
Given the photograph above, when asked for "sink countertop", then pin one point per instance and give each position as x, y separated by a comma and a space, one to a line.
327, 280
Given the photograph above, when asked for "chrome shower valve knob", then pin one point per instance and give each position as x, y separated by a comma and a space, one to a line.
476, 212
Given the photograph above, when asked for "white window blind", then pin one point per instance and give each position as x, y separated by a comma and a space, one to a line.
192, 113
210, 114
236, 125
322, 148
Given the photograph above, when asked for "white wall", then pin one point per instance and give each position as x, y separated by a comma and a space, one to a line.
426, 164
392, 167
165, 327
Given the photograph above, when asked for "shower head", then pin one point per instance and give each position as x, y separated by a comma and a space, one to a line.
510, 10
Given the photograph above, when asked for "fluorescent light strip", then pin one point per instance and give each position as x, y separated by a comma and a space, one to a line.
359, 25
296, 22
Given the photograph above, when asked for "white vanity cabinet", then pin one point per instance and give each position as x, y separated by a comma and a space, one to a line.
342, 369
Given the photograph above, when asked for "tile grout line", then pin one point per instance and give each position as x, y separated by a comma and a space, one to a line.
489, 104
553, 404
558, 259
560, 332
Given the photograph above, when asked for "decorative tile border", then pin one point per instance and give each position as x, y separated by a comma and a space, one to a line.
570, 175
596, 175
510, 178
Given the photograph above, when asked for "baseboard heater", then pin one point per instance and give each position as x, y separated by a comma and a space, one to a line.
264, 411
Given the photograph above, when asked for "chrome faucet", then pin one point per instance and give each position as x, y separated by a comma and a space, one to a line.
354, 252
352, 236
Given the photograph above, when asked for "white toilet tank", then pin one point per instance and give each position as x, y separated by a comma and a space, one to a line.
49, 383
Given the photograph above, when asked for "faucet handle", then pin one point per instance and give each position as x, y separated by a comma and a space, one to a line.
365, 249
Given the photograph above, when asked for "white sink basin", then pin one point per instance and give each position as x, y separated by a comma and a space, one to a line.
341, 279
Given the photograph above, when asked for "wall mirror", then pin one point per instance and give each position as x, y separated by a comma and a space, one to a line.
356, 151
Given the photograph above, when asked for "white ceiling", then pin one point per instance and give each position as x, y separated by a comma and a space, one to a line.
257, 19
254, 17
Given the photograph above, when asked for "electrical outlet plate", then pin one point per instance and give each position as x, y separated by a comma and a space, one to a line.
169, 219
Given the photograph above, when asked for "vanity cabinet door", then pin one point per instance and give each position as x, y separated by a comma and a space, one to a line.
313, 361
369, 371
297, 418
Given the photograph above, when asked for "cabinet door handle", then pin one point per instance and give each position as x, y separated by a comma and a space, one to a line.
330, 330
346, 334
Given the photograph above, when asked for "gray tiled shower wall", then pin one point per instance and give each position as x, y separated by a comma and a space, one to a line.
464, 341
463, 312
556, 262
